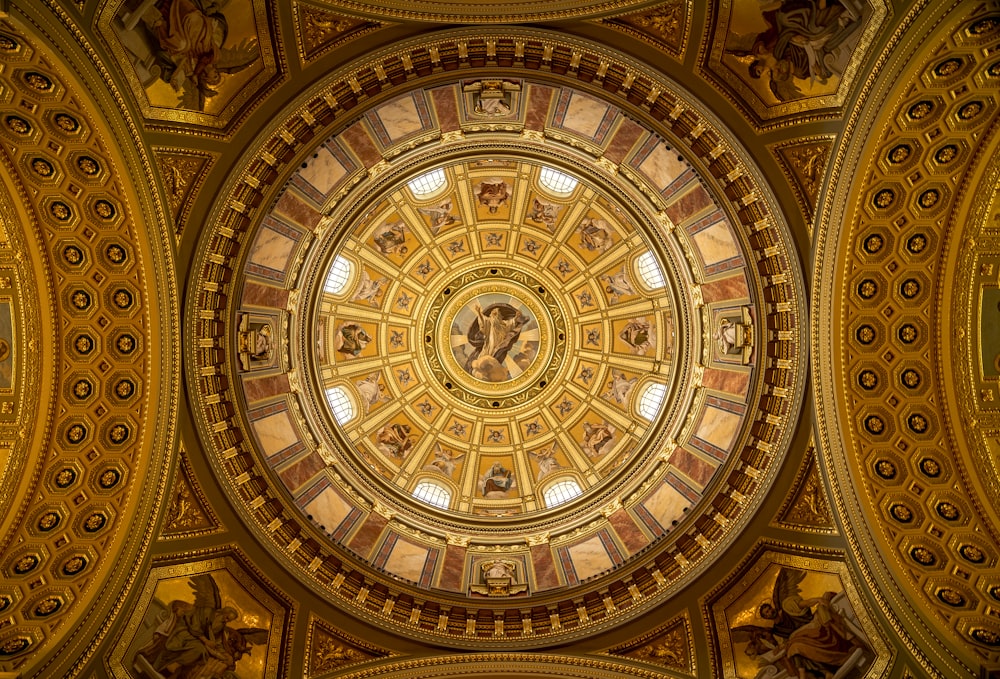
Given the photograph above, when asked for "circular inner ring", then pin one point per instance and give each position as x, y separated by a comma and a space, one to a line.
494, 336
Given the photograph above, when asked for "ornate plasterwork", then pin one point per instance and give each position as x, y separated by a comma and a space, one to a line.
806, 506
670, 645
891, 429
175, 80
182, 173
188, 513
750, 44
804, 162
319, 31
105, 442
434, 614
666, 25
329, 650
458, 12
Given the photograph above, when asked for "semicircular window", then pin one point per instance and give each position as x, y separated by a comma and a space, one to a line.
340, 404
649, 271
340, 273
556, 181
651, 400
561, 491
433, 494
427, 183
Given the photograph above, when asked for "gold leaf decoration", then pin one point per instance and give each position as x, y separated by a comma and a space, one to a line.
188, 511
664, 25
181, 174
319, 30
329, 649
668, 646
806, 507
804, 165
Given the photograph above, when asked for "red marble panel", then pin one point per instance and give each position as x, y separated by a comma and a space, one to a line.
629, 533
368, 534
688, 205
446, 107
623, 141
546, 576
723, 289
693, 467
264, 295
452, 569
297, 473
265, 387
726, 380
297, 210
358, 139
539, 100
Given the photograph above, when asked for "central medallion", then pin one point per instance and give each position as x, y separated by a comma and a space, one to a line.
493, 336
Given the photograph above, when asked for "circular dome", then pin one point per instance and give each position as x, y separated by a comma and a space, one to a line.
493, 362
494, 337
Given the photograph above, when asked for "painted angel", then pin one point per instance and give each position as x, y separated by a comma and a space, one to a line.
544, 212
440, 215
493, 193
369, 290
619, 387
445, 460
196, 640
372, 393
547, 462
595, 234
618, 286
192, 55
390, 238
597, 438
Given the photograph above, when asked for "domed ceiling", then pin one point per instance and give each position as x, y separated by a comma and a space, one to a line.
345, 339
492, 367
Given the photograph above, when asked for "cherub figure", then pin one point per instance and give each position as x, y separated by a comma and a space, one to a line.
544, 212
369, 290
547, 462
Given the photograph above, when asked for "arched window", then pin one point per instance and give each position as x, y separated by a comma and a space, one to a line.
433, 494
557, 182
649, 271
651, 400
427, 183
340, 272
340, 404
561, 491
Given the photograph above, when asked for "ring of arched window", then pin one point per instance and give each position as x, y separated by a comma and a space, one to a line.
340, 405
339, 274
560, 492
557, 182
428, 183
649, 271
433, 494
651, 400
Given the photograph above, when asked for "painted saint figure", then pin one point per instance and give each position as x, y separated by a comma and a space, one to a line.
808, 637
196, 639
497, 482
